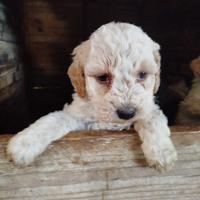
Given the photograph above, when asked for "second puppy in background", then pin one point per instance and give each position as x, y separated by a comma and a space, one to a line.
189, 110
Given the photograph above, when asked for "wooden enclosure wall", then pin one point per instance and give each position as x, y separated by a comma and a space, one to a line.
103, 165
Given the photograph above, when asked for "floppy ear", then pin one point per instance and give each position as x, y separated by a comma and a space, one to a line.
76, 75
195, 66
76, 69
157, 58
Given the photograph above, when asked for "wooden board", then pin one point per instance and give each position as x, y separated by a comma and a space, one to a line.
103, 166
52, 30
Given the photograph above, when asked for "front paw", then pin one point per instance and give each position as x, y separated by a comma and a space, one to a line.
21, 150
162, 158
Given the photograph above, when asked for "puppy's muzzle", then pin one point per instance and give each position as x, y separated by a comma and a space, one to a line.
126, 113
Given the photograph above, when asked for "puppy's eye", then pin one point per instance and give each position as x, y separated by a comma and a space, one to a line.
104, 79
142, 76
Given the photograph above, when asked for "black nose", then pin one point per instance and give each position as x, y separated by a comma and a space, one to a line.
126, 113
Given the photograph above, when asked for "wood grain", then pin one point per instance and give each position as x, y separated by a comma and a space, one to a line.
103, 166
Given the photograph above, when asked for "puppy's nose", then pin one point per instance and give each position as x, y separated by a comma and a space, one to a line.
126, 113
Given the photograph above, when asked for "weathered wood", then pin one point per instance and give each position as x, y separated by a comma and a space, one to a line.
103, 166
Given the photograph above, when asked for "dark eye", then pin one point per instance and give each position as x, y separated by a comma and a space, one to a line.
142, 76
104, 79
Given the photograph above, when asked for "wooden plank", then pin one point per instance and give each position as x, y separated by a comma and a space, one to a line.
11, 72
53, 21
13, 90
103, 166
50, 56
52, 30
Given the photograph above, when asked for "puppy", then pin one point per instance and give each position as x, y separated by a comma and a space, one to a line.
115, 74
189, 110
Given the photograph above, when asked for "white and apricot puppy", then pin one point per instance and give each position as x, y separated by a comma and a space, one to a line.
115, 74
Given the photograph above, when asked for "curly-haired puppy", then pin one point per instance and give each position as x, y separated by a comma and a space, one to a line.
189, 110
115, 74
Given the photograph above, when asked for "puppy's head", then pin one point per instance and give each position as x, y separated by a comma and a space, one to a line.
118, 71
195, 66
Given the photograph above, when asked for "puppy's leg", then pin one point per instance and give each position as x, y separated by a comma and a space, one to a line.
157, 145
32, 141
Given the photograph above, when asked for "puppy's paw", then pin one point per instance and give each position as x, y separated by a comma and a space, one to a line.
21, 150
162, 158
165, 161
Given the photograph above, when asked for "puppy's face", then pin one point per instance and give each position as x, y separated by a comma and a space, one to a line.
117, 70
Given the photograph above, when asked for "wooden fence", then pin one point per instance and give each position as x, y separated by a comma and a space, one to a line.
103, 166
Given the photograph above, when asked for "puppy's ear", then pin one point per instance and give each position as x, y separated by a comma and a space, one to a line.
76, 69
157, 58
76, 75
195, 66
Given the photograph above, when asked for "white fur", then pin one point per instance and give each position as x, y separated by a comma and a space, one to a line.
123, 50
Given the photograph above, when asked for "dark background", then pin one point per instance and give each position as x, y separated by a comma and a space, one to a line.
48, 30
